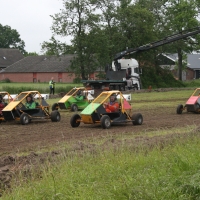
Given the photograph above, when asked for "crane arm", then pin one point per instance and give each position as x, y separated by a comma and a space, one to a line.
166, 40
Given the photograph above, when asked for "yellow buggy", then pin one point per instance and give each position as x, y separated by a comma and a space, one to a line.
95, 113
17, 110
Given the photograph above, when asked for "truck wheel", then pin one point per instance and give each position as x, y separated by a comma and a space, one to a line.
55, 116
117, 87
54, 107
105, 122
24, 119
137, 119
122, 88
75, 120
179, 109
111, 87
136, 86
74, 107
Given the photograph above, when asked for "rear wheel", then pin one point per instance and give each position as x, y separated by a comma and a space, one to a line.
75, 120
179, 109
74, 107
54, 107
137, 119
105, 122
55, 116
24, 119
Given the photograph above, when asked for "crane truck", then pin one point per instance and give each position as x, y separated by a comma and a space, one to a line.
125, 73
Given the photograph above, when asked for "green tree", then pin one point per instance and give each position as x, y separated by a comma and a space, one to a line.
180, 16
55, 47
10, 38
76, 19
105, 36
137, 29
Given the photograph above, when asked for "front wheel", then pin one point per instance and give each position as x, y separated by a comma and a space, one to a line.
105, 122
137, 119
117, 87
75, 120
74, 107
54, 106
179, 109
55, 116
24, 119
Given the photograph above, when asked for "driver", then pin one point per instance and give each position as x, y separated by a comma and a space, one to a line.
30, 104
112, 105
79, 96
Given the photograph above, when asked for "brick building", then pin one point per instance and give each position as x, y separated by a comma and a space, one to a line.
39, 69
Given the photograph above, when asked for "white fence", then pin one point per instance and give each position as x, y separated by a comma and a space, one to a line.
45, 96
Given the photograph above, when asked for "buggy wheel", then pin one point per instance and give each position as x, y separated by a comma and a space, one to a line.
74, 107
75, 120
105, 122
179, 109
54, 107
137, 119
24, 119
55, 116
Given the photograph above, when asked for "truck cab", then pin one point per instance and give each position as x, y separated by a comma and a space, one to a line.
132, 72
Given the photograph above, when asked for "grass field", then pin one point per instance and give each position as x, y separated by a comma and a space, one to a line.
170, 173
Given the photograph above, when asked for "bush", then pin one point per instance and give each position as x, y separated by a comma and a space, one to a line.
77, 80
159, 78
192, 83
7, 80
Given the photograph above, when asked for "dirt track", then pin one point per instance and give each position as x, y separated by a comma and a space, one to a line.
17, 138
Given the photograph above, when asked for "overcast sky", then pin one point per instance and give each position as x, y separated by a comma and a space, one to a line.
31, 19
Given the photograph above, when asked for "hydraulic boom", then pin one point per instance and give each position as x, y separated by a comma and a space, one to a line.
166, 40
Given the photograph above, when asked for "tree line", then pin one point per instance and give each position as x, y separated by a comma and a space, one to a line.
102, 28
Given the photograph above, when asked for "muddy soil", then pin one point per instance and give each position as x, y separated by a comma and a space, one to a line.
43, 135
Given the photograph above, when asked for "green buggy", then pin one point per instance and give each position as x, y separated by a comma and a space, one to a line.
71, 102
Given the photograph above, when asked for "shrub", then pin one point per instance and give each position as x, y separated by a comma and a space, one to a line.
159, 78
6, 80
77, 80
